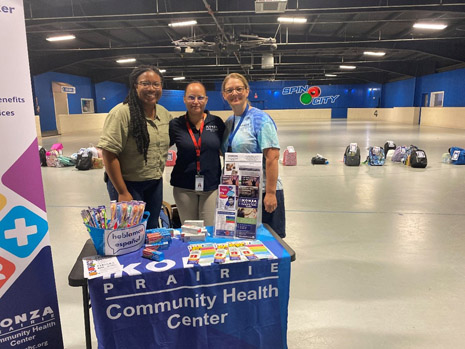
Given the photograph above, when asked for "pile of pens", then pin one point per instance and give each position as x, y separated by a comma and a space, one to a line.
122, 215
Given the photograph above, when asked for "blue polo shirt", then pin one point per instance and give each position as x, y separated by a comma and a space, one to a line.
183, 174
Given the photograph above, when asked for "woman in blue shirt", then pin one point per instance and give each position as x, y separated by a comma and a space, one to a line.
251, 130
196, 175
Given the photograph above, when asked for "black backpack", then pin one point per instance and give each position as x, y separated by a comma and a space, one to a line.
418, 158
351, 157
43, 156
84, 161
389, 145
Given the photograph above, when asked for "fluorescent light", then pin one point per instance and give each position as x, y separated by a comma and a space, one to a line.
126, 60
330, 75
372, 53
292, 20
61, 38
182, 24
179, 78
431, 26
162, 70
347, 66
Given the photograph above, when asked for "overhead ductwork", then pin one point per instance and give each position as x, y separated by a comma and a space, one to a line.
270, 6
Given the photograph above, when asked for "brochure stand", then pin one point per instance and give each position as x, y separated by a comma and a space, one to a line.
239, 203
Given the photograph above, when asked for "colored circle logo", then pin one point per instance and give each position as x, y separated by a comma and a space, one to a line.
306, 98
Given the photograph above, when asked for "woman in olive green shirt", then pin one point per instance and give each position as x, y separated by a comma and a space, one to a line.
135, 143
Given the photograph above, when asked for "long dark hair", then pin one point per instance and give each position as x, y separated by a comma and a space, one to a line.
138, 123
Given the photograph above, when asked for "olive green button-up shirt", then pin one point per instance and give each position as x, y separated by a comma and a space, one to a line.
116, 139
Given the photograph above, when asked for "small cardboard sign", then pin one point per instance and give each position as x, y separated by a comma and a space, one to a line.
122, 241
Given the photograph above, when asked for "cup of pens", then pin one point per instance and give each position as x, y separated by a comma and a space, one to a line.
117, 230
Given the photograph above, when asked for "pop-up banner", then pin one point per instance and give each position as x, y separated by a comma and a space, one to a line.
29, 316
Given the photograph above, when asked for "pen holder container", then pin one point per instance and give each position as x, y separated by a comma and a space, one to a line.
116, 242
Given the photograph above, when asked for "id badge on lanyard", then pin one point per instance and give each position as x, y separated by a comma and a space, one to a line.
199, 182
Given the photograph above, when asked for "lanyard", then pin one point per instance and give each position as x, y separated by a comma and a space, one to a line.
196, 145
234, 130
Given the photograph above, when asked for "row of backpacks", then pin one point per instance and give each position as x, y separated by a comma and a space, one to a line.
84, 159
410, 156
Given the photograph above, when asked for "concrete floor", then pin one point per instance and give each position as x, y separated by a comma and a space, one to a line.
380, 250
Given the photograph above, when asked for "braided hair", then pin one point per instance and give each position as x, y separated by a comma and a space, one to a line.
137, 122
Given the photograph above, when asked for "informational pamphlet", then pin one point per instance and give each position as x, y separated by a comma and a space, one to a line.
95, 266
243, 170
225, 223
226, 197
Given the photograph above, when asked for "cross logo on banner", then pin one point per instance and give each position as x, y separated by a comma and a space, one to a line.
21, 230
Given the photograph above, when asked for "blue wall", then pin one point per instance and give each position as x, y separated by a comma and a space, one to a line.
263, 94
44, 94
451, 82
286, 95
398, 94
108, 94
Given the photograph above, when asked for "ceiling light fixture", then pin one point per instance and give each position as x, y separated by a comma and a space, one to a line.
330, 75
430, 26
347, 66
179, 78
373, 53
162, 70
61, 38
125, 60
292, 20
182, 24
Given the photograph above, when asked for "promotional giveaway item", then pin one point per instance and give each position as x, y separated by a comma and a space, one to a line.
457, 156
352, 155
29, 314
117, 230
375, 156
239, 197
290, 156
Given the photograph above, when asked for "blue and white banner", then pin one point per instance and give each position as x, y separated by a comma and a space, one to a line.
170, 304
29, 315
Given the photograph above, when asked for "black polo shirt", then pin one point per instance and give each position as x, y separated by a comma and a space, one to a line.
184, 171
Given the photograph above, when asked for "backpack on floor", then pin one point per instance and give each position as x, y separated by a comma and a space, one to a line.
42, 156
66, 160
457, 156
375, 156
166, 215
52, 159
352, 155
417, 158
399, 153
84, 161
389, 145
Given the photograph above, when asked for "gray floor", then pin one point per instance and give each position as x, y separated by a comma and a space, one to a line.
380, 250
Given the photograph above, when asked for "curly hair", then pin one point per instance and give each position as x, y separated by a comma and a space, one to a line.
138, 123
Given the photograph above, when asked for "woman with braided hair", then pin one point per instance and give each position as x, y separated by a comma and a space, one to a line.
135, 143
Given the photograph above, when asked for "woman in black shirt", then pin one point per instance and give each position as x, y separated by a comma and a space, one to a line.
196, 175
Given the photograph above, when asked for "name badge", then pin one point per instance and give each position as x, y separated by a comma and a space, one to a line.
198, 183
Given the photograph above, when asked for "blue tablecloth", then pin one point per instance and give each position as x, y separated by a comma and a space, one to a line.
168, 305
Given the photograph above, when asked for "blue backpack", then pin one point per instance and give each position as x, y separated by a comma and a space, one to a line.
457, 156
375, 156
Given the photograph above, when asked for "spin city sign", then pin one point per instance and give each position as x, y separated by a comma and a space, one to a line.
310, 95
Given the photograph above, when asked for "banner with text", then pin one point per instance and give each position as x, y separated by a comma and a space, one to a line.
171, 304
29, 316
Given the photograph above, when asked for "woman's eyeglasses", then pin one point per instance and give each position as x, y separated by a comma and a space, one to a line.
192, 98
239, 90
148, 83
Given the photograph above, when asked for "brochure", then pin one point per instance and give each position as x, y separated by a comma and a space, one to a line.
226, 197
225, 223
95, 266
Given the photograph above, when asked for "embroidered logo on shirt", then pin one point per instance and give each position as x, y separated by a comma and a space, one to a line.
211, 128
